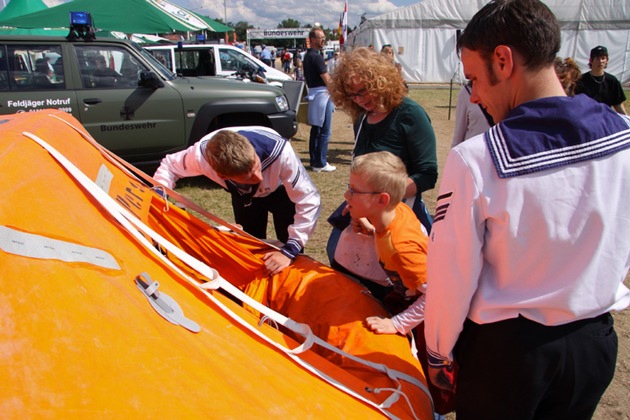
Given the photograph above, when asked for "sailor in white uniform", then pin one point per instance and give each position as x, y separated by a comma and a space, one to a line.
279, 184
530, 242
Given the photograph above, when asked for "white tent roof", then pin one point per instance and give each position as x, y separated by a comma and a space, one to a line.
431, 26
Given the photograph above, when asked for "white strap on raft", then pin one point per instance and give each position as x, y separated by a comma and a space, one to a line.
133, 171
135, 227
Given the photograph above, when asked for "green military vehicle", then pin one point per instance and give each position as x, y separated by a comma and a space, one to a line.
126, 99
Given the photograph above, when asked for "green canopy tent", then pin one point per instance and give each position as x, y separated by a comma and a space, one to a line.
38, 31
214, 25
23, 7
128, 16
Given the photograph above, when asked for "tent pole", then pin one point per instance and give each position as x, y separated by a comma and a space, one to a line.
450, 99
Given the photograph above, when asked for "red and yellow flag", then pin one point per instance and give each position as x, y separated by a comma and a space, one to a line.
343, 24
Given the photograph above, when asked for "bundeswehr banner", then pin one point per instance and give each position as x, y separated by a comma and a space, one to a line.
281, 33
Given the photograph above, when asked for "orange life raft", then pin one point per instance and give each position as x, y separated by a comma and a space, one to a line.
115, 304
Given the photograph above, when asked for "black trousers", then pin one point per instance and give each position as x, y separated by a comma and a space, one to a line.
253, 215
519, 369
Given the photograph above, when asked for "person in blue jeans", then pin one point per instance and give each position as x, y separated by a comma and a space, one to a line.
318, 142
320, 108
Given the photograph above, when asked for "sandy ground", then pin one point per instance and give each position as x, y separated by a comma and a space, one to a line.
615, 403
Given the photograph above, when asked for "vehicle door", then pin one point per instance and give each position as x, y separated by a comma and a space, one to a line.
128, 119
32, 79
189, 62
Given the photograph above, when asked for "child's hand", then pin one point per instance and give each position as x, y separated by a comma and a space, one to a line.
381, 325
362, 226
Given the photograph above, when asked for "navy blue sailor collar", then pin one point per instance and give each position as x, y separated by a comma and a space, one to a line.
554, 132
268, 146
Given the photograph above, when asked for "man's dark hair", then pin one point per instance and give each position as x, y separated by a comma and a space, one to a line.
527, 26
313, 32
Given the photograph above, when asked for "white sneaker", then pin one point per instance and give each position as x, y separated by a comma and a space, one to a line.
327, 168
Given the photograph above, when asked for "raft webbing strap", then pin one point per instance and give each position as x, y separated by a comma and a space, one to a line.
228, 287
133, 171
126, 219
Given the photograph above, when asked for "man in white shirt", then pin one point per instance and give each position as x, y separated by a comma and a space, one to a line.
332, 62
530, 242
264, 175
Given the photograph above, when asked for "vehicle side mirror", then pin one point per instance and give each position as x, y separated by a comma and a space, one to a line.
149, 79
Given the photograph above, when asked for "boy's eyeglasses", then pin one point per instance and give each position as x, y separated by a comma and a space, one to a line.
353, 191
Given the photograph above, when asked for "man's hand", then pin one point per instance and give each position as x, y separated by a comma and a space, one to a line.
381, 325
275, 262
443, 377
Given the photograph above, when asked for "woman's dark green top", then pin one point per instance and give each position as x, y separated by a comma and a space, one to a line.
406, 132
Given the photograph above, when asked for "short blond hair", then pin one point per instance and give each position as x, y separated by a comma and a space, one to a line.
383, 172
229, 153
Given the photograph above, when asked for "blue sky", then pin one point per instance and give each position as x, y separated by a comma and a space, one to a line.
269, 13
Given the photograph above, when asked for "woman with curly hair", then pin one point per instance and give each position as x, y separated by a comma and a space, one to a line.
367, 86
568, 72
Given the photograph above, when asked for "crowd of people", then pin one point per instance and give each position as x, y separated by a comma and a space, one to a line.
509, 286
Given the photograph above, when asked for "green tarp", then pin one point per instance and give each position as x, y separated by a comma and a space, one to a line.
128, 16
216, 26
21, 7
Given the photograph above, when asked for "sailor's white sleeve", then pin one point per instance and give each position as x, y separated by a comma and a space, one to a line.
303, 192
410, 317
187, 163
455, 257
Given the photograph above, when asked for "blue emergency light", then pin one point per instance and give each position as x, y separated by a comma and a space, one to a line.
81, 27
80, 18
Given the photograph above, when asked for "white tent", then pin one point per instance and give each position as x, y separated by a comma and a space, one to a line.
424, 34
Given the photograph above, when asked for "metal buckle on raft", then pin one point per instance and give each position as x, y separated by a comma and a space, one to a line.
164, 304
